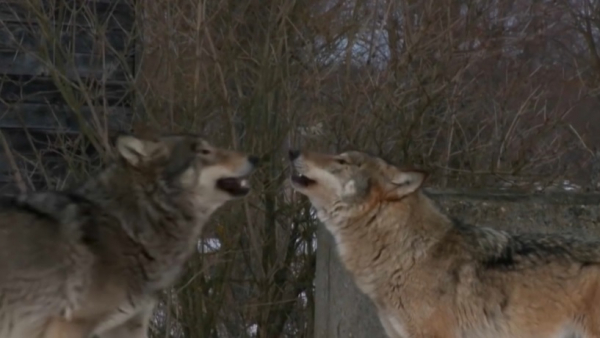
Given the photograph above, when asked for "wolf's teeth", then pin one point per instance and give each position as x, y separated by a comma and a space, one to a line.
244, 183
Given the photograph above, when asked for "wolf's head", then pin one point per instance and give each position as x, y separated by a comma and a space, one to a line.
190, 164
352, 177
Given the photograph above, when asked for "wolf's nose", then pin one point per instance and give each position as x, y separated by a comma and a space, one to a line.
294, 154
254, 160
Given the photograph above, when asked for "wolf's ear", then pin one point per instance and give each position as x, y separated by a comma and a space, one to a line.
134, 150
407, 181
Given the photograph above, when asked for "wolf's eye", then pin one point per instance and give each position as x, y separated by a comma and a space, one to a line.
341, 161
204, 151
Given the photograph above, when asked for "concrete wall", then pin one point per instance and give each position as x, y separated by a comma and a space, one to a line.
343, 311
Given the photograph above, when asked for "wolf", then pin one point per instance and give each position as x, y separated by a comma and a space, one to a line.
90, 261
431, 276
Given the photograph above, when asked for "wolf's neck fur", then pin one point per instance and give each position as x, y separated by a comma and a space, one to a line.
374, 238
164, 225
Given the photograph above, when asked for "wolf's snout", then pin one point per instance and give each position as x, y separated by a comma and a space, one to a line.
294, 154
254, 160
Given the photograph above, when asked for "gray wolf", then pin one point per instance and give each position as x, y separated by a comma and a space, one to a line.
434, 277
91, 260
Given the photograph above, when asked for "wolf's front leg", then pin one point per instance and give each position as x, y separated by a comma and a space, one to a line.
64, 328
135, 327
392, 327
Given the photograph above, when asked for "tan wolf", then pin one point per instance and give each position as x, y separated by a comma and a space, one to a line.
91, 260
433, 277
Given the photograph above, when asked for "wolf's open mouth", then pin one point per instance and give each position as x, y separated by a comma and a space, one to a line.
302, 180
236, 186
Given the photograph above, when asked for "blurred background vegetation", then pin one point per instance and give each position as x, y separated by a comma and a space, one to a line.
480, 92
